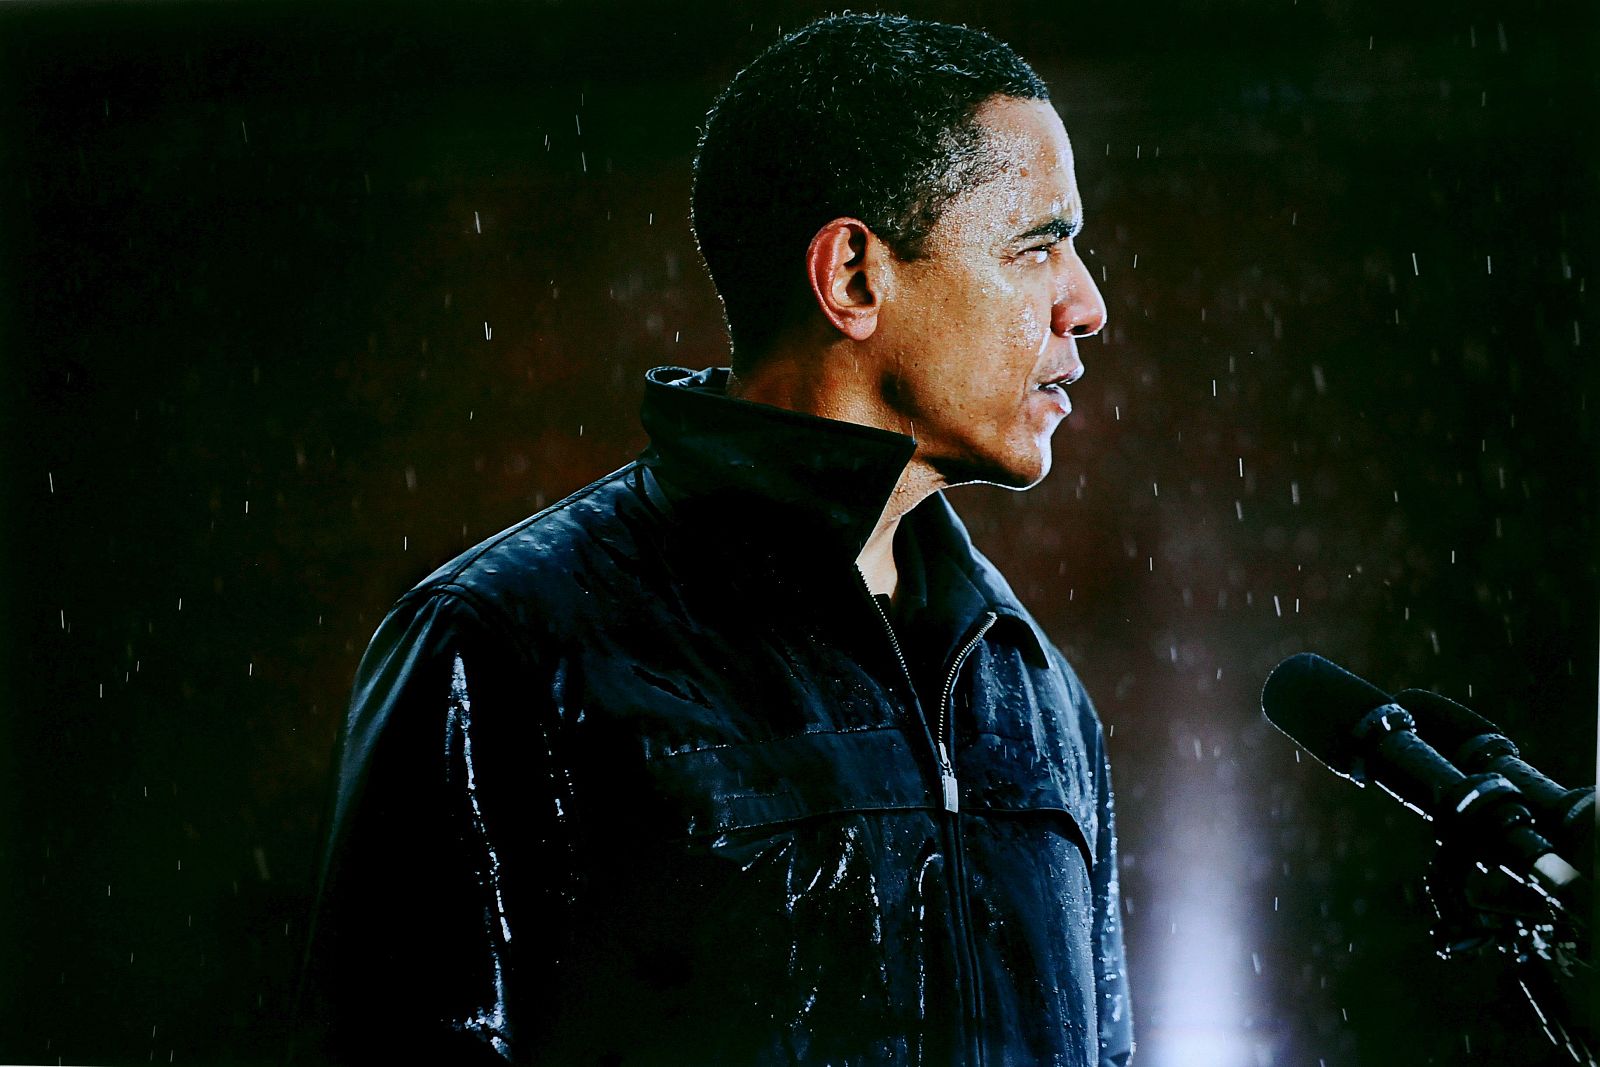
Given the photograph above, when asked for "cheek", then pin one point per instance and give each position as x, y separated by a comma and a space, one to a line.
1015, 323
1031, 332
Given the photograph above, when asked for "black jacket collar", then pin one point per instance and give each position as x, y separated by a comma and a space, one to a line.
822, 480
769, 476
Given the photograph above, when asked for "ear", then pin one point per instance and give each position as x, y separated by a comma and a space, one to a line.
845, 266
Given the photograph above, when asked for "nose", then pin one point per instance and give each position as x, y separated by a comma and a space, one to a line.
1079, 309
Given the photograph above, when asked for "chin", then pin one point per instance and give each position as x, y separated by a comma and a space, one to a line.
1036, 473
1010, 472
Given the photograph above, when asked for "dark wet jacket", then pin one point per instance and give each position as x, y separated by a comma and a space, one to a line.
650, 779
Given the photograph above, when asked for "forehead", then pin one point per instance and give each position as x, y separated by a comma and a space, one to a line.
1032, 179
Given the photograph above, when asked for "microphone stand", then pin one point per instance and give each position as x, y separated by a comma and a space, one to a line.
1497, 883
1483, 911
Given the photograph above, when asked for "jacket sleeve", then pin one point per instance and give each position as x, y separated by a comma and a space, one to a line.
1111, 965
442, 858
1113, 1000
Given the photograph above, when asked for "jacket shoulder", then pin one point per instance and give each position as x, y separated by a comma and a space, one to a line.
1088, 715
535, 571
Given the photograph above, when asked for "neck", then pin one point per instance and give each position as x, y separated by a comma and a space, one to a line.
834, 384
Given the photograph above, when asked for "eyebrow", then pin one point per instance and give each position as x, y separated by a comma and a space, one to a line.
1057, 227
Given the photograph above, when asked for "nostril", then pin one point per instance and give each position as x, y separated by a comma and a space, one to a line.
1081, 330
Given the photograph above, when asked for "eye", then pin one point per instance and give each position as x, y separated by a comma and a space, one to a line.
1040, 254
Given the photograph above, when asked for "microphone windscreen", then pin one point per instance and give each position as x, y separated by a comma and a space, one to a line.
1446, 724
1319, 704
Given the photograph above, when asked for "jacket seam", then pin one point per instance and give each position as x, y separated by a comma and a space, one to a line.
774, 740
506, 534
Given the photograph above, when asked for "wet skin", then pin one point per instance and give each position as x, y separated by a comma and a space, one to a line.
952, 347
993, 309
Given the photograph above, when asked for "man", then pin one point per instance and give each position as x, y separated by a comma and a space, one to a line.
743, 754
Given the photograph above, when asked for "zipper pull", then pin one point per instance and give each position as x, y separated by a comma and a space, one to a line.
947, 779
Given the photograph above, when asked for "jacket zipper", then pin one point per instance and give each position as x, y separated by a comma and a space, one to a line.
959, 851
951, 796
888, 629
947, 769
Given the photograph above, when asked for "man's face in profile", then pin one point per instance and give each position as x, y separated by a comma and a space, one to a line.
992, 310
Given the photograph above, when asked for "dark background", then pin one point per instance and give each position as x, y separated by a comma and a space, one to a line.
302, 299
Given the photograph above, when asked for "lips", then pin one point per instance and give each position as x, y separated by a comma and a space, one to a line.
1056, 396
1056, 388
1063, 379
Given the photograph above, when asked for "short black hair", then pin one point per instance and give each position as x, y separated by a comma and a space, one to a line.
860, 115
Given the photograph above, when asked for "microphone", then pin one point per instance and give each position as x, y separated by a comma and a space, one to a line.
1475, 744
1360, 733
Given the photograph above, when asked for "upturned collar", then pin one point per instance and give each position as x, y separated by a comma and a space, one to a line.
776, 480
823, 480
